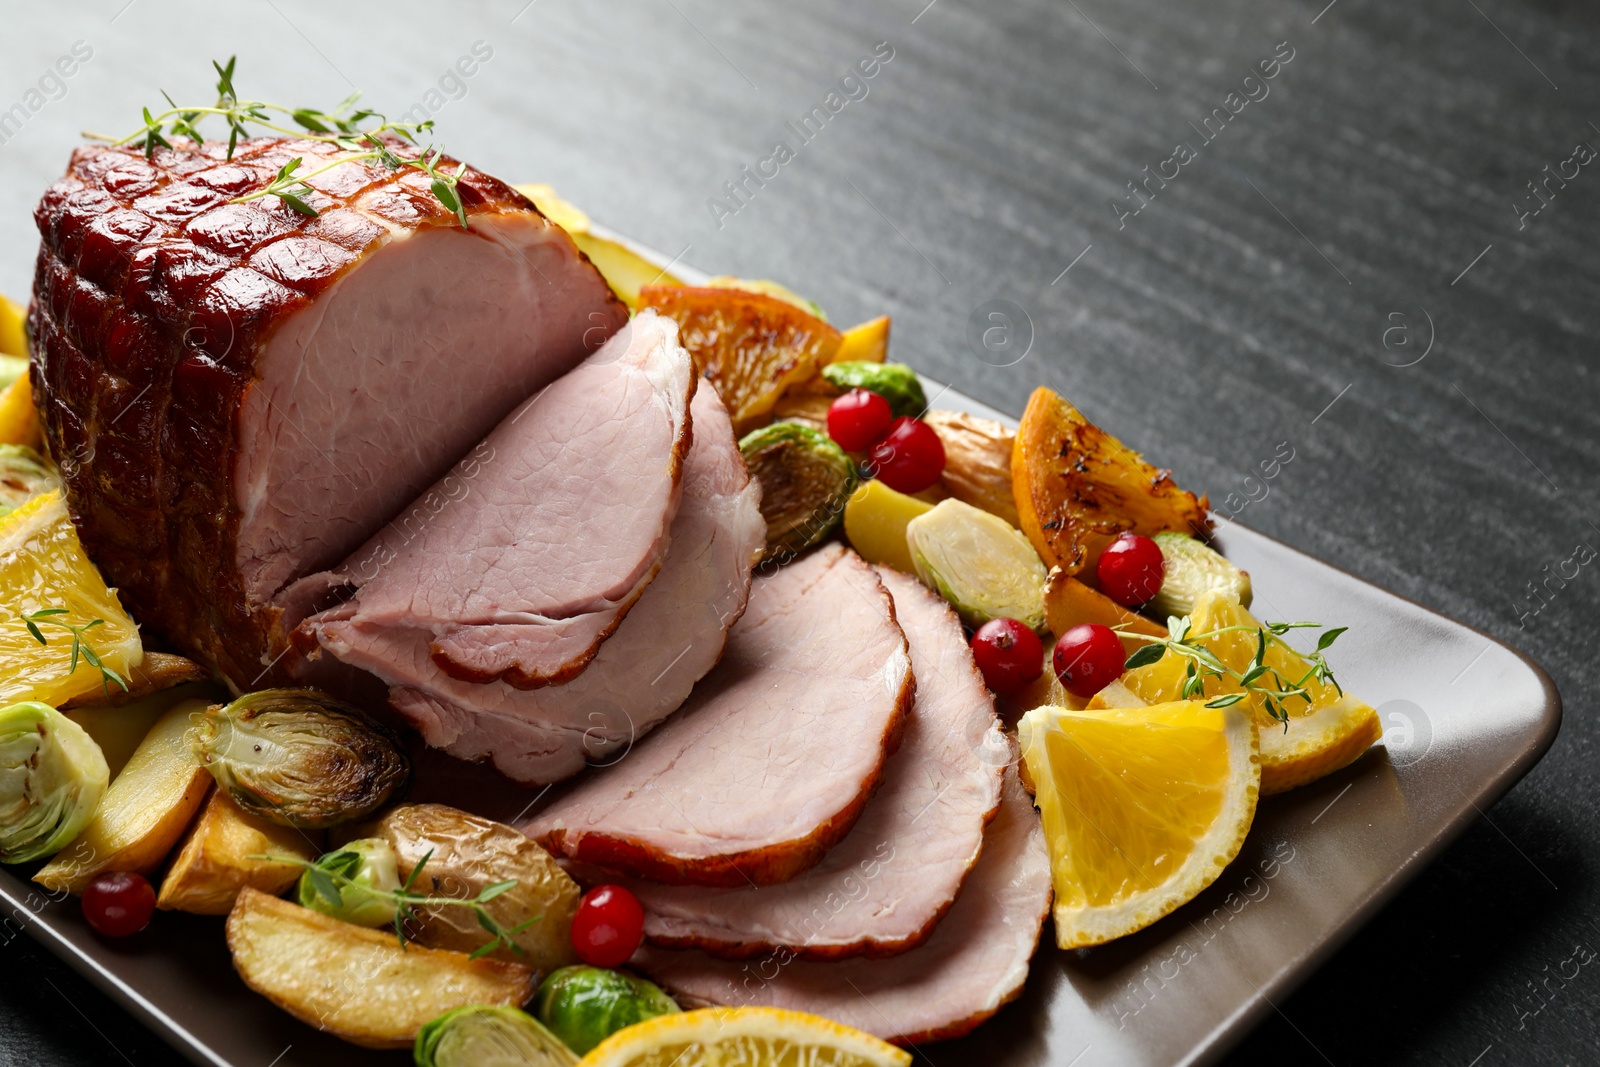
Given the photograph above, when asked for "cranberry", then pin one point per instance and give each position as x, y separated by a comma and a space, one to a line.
910, 457
1088, 658
858, 419
118, 903
1130, 570
1009, 655
608, 926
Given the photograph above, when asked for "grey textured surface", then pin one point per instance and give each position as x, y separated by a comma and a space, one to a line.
1221, 320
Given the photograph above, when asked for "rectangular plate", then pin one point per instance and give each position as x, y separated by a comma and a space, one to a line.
1464, 717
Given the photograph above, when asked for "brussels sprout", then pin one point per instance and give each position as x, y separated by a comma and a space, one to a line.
585, 1005
981, 564
484, 1036
367, 863
1193, 568
23, 474
895, 382
805, 480
52, 775
298, 757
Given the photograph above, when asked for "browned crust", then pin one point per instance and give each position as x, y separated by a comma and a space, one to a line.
769, 864
518, 678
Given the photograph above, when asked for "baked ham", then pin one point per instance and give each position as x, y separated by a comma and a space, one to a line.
777, 750
239, 395
546, 534
975, 961
884, 888
642, 673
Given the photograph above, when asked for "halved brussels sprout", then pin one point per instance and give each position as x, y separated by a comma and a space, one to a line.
298, 757
981, 564
1194, 568
483, 1036
805, 480
52, 775
24, 473
895, 382
585, 1005
367, 863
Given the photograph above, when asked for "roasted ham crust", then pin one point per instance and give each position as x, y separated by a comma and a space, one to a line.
153, 295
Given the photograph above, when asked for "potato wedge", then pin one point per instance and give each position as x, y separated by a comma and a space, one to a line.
977, 461
215, 861
13, 329
469, 853
1071, 481
354, 983
155, 673
143, 814
19, 420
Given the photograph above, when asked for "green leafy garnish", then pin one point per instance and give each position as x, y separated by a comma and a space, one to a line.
81, 649
357, 131
1257, 679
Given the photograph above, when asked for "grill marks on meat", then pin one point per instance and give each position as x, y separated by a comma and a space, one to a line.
975, 961
182, 342
769, 763
548, 534
674, 634
882, 889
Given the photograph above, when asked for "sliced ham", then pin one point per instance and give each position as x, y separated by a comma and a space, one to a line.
772, 758
642, 673
532, 550
975, 961
239, 395
884, 887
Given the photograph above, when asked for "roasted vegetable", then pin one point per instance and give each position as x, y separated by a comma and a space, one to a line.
807, 410
977, 461
52, 775
1074, 484
466, 854
1068, 603
143, 814
750, 346
1194, 568
224, 853
13, 334
358, 984
585, 1005
875, 521
155, 673
895, 382
481, 1036
868, 342
805, 480
367, 863
24, 473
19, 420
981, 564
299, 757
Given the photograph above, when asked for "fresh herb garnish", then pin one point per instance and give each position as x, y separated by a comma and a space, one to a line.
330, 878
81, 649
359, 132
1258, 679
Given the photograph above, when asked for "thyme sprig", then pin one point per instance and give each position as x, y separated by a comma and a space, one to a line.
328, 878
1257, 679
81, 649
346, 127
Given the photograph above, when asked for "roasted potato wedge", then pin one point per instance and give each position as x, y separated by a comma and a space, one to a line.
867, 343
750, 346
1073, 483
215, 861
143, 814
119, 730
469, 853
977, 461
354, 983
155, 673
807, 409
19, 420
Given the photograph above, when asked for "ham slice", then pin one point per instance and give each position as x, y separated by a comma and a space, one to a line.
975, 962
532, 550
640, 675
239, 395
883, 888
774, 755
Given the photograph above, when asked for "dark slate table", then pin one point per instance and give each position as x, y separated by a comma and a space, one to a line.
1353, 263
